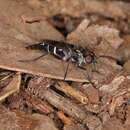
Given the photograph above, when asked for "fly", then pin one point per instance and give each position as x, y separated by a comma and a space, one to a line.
64, 51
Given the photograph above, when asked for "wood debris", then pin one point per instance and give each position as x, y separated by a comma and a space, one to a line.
36, 95
65, 119
67, 89
13, 87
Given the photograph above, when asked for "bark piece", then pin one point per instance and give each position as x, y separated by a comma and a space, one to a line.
43, 122
13, 87
19, 121
113, 124
77, 8
92, 94
67, 89
66, 120
5, 78
11, 24
94, 108
37, 104
74, 127
124, 49
114, 85
65, 105
127, 122
38, 85
127, 66
10, 119
115, 103
17, 101
115, 91
93, 122
97, 37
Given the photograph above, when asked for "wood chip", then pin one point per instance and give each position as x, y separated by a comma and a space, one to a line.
64, 105
37, 104
72, 92
13, 87
66, 120
118, 101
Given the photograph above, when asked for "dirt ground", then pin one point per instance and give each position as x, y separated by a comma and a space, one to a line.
53, 94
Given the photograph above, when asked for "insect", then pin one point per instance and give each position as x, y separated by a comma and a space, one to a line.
64, 51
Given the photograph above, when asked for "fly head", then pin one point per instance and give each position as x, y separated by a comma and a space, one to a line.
90, 58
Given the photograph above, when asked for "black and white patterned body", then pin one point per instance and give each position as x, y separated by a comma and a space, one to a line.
66, 51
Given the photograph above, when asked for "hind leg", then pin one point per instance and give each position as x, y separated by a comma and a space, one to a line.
37, 58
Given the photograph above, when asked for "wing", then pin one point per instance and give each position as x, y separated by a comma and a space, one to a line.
59, 49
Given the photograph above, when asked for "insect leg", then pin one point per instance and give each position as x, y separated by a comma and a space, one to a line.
87, 75
95, 69
109, 57
37, 58
81, 67
68, 67
66, 70
89, 79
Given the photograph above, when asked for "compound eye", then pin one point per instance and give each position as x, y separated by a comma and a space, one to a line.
88, 59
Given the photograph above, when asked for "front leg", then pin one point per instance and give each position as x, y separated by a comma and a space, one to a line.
81, 67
